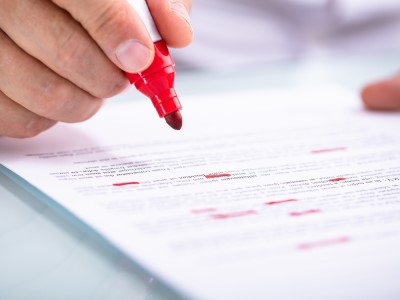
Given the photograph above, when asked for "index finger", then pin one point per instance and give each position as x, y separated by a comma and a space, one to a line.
383, 94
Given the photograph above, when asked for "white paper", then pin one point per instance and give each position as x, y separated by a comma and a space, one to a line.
262, 195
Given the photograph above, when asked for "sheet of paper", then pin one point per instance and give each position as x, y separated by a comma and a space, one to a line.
262, 195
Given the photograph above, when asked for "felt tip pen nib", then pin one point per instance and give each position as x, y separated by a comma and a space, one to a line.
174, 120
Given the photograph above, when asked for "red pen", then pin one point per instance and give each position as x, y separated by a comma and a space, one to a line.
157, 81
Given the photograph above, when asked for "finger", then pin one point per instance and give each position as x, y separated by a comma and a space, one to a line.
51, 35
116, 28
18, 122
173, 21
382, 95
40, 90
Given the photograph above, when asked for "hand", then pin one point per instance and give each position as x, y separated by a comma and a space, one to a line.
60, 58
382, 95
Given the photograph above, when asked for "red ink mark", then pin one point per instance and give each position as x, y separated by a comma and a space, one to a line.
306, 212
217, 175
234, 214
337, 179
319, 151
323, 243
280, 201
203, 210
125, 183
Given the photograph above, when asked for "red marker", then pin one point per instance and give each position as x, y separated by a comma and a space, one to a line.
157, 81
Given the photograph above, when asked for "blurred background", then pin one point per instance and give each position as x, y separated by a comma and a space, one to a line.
232, 33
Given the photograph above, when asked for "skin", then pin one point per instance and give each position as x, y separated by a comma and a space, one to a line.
60, 58
383, 95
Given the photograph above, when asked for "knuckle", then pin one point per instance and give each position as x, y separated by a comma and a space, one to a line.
111, 85
51, 98
70, 51
80, 107
61, 101
89, 113
34, 126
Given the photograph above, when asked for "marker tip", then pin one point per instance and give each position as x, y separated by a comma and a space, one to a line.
174, 120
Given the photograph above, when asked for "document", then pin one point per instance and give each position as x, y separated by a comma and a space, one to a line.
264, 194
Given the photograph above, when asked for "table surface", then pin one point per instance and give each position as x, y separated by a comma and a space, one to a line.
45, 256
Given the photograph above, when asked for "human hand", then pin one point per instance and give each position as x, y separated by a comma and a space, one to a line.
382, 95
60, 58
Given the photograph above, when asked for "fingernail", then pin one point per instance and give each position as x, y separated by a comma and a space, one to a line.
133, 56
180, 9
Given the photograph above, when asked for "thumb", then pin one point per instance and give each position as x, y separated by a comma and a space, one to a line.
173, 21
382, 95
116, 28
